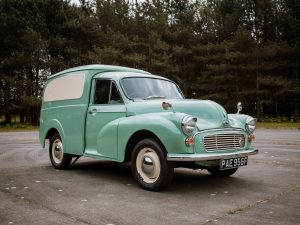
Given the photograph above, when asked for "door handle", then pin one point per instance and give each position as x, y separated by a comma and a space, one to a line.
92, 111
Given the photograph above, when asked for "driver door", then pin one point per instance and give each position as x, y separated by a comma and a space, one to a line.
106, 106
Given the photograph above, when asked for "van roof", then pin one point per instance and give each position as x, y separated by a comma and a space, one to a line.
100, 68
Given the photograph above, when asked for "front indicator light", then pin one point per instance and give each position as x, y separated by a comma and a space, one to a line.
251, 137
189, 141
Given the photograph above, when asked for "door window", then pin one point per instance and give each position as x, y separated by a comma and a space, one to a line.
106, 92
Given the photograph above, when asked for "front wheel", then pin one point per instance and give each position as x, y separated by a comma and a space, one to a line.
215, 171
58, 158
150, 166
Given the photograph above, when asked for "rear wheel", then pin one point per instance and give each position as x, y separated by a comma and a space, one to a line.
58, 158
150, 166
215, 171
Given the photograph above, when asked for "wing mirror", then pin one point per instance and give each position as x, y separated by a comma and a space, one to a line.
239, 107
167, 105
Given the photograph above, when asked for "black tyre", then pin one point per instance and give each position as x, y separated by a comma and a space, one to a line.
149, 165
58, 158
215, 171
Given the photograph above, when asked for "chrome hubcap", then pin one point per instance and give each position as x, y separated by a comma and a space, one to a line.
57, 151
148, 165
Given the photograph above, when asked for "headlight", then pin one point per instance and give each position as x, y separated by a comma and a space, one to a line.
250, 124
188, 124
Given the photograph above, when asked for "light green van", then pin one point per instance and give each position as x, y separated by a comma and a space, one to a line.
128, 115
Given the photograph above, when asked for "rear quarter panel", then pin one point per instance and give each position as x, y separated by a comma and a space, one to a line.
68, 118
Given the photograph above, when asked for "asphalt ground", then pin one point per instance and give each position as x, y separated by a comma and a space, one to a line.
267, 191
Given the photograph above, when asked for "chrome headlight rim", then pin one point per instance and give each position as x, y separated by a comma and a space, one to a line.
250, 124
188, 125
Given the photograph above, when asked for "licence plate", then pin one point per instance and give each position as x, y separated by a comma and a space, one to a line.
233, 163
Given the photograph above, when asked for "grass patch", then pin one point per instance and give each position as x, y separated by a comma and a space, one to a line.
17, 127
266, 125
279, 125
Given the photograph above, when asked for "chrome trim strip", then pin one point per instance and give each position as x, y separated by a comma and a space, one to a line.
211, 156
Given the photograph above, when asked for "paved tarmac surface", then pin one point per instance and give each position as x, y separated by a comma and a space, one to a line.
267, 191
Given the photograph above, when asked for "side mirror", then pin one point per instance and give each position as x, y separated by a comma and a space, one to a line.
239, 107
167, 105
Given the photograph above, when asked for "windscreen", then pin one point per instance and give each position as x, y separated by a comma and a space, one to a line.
150, 88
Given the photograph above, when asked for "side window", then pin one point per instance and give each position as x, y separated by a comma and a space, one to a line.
64, 88
102, 92
106, 92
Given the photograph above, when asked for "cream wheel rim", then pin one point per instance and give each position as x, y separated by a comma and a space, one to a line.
148, 165
57, 151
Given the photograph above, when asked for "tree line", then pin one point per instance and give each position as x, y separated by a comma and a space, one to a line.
223, 50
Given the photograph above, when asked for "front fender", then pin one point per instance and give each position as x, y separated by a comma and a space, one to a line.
164, 126
237, 120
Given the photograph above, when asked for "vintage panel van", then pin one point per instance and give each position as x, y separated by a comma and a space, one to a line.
128, 115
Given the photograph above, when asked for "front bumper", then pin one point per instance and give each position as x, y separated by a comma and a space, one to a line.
210, 156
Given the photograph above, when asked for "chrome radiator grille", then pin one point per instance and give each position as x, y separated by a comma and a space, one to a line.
224, 141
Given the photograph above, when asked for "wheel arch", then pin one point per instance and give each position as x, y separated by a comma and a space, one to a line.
137, 137
51, 132
49, 129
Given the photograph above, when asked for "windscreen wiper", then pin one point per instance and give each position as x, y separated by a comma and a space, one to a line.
154, 97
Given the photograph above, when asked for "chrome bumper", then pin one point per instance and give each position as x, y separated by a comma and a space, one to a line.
210, 156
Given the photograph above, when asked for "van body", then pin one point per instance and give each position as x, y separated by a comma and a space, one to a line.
124, 114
